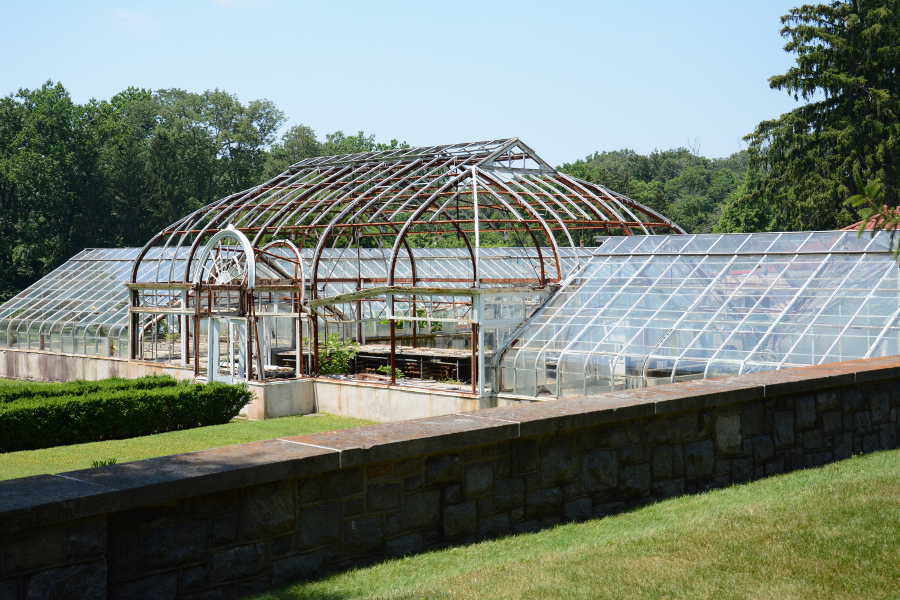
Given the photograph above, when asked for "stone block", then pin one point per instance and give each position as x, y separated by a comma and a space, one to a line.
268, 510
156, 587
194, 578
559, 463
9, 590
509, 494
632, 455
600, 469
343, 483
763, 449
383, 496
728, 434
238, 562
404, 545
453, 493
544, 501
662, 462
753, 419
319, 524
363, 535
494, 525
832, 422
444, 469
775, 466
828, 400
460, 520
635, 480
888, 435
741, 469
353, 506
524, 455
784, 429
813, 440
76, 582
422, 509
297, 567
143, 541
579, 509
479, 478
843, 446
699, 459
69, 542
880, 406
806, 412
669, 488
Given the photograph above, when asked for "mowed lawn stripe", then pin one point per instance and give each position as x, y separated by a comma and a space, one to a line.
59, 459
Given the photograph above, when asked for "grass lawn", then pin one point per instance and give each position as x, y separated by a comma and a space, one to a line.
832, 532
80, 456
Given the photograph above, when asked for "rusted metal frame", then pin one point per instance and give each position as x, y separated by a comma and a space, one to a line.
317, 254
580, 185
297, 202
520, 184
550, 238
623, 199
536, 190
409, 153
409, 280
585, 187
449, 163
311, 180
613, 217
215, 218
374, 173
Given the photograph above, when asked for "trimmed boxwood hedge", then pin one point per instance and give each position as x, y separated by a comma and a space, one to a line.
29, 389
38, 422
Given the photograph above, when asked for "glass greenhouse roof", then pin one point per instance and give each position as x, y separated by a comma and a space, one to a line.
654, 309
81, 307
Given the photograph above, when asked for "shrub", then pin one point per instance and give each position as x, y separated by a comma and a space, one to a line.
19, 391
30, 423
386, 370
336, 355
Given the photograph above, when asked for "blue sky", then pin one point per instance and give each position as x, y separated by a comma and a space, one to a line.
567, 77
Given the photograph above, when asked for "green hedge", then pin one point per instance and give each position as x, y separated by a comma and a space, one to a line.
18, 391
31, 423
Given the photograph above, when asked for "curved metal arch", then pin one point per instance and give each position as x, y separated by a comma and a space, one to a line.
236, 234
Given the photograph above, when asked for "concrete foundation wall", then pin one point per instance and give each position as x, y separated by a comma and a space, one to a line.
35, 365
390, 403
232, 521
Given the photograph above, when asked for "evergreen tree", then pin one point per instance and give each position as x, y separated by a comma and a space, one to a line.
808, 163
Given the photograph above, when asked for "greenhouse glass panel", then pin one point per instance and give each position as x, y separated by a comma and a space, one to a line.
671, 308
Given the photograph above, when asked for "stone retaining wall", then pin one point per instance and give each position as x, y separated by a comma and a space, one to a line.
236, 520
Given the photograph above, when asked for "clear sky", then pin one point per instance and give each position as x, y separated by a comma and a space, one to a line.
569, 78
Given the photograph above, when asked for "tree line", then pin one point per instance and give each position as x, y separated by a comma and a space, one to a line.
111, 173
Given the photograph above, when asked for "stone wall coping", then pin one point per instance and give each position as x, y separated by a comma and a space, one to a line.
47, 499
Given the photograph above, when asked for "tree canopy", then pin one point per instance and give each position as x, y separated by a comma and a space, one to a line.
806, 165
114, 172
687, 188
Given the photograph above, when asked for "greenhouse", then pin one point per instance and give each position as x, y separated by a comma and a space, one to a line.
661, 309
476, 269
